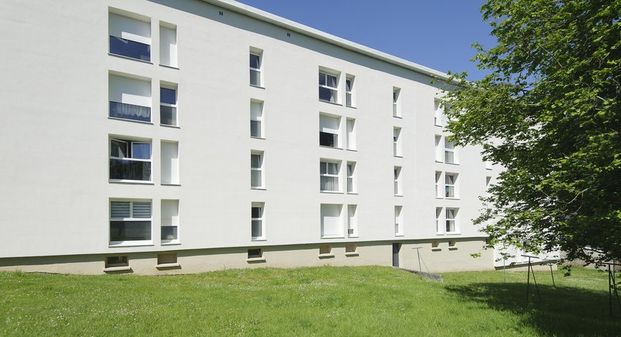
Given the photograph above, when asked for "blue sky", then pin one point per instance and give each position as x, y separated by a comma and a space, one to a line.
436, 33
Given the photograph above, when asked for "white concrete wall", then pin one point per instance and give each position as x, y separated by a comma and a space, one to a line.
56, 128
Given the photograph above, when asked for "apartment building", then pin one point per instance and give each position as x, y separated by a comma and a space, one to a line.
183, 136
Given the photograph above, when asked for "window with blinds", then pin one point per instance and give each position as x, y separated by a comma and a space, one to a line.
130, 221
130, 36
329, 127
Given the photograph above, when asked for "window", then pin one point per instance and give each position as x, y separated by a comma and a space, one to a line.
438, 187
168, 45
438, 219
351, 134
255, 253
396, 102
117, 261
449, 152
170, 162
331, 221
256, 63
449, 185
438, 114
256, 170
397, 176
329, 176
439, 153
352, 221
130, 37
256, 119
328, 87
396, 142
170, 221
451, 218
167, 259
488, 179
130, 160
257, 221
398, 220
329, 127
325, 250
351, 249
168, 105
351, 177
349, 91
130, 221
129, 98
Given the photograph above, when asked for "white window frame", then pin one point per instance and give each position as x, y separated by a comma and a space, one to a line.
398, 220
338, 144
131, 218
260, 119
340, 224
438, 113
259, 169
131, 142
259, 53
174, 87
328, 162
397, 150
438, 185
350, 91
351, 133
325, 73
398, 189
260, 205
450, 149
439, 147
173, 52
352, 182
439, 220
451, 187
448, 220
178, 239
396, 102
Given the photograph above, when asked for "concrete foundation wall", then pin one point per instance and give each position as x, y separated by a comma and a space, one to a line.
196, 261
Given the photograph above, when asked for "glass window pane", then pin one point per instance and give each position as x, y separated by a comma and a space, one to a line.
255, 161
256, 212
257, 228
141, 209
129, 48
255, 178
168, 115
141, 150
130, 230
118, 149
169, 232
322, 79
255, 77
331, 81
128, 169
119, 209
168, 96
255, 61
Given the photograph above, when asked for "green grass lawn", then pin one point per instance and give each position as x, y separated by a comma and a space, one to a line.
326, 301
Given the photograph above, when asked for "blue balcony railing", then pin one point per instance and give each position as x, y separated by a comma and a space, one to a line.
130, 169
130, 111
129, 48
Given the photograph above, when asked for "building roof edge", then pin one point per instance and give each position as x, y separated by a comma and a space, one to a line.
326, 37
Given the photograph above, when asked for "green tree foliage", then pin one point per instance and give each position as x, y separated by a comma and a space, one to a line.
549, 112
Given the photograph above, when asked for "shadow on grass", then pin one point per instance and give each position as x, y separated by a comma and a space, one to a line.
561, 311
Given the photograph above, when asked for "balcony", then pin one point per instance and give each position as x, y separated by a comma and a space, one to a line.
130, 111
130, 49
130, 169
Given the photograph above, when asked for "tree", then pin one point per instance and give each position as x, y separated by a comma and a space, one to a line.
549, 112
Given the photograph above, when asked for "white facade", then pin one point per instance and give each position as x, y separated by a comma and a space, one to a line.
190, 118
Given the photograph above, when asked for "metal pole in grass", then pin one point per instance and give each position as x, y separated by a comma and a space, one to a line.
530, 270
552, 274
610, 290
